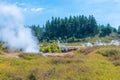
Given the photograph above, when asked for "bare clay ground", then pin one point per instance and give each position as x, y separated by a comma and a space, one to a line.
16, 54
67, 54
10, 55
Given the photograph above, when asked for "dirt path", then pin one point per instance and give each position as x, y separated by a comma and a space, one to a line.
67, 54
16, 55
10, 55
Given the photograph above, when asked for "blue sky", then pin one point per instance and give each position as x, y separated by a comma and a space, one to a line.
39, 11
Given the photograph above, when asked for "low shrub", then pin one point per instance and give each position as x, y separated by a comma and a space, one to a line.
51, 48
109, 52
60, 61
116, 62
1, 48
29, 56
64, 60
112, 53
38, 74
33, 74
86, 51
26, 56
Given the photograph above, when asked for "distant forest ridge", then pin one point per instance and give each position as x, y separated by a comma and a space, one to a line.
77, 27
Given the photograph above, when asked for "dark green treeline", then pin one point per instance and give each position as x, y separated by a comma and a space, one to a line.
78, 27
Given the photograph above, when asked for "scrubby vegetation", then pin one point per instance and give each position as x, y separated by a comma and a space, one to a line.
1, 48
112, 53
99, 63
51, 48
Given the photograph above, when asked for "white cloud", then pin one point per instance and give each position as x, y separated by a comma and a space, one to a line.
33, 9
20, 4
36, 9
28, 8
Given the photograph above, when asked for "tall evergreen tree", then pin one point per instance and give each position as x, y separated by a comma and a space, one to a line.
72, 27
119, 29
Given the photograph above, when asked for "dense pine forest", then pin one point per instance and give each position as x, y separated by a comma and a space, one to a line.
72, 27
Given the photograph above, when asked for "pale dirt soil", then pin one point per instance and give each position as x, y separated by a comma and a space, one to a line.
10, 55
67, 54
16, 54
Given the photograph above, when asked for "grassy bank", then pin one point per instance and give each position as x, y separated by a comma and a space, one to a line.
91, 66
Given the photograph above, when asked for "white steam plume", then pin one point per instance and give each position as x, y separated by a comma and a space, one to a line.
12, 30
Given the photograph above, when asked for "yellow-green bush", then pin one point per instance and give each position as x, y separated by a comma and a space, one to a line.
51, 48
1, 48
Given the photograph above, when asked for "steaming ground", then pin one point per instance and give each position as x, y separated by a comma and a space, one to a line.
13, 32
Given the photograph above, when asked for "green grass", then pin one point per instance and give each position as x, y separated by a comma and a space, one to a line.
1, 48
111, 52
93, 66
